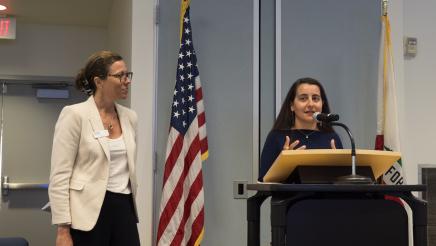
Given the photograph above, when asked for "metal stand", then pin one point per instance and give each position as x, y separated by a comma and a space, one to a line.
353, 178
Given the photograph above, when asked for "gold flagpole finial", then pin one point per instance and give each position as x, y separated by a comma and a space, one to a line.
183, 6
384, 7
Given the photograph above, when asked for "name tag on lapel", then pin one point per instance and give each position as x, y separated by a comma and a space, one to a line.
101, 134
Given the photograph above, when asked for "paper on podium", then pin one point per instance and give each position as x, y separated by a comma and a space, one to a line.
288, 160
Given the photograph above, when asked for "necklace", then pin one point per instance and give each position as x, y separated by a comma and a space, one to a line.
108, 117
110, 125
306, 135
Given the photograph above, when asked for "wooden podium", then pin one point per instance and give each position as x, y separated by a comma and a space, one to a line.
289, 160
337, 214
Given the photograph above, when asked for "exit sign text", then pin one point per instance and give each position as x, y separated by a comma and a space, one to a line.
7, 27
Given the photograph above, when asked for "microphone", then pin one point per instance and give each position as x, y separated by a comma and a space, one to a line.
321, 117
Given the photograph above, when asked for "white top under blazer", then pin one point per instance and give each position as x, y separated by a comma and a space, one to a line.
118, 169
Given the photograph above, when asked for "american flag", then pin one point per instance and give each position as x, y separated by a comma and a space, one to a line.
181, 220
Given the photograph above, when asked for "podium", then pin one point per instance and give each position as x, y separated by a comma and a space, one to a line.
337, 214
289, 160
352, 215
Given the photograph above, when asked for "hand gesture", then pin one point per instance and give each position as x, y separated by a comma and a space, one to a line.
332, 144
288, 145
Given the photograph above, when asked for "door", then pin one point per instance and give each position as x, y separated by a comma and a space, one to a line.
28, 125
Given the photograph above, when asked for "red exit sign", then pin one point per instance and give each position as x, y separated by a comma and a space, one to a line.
8, 27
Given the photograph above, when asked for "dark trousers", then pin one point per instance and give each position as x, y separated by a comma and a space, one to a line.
116, 224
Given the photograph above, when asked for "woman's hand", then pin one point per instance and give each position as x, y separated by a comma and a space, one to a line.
63, 237
332, 144
288, 145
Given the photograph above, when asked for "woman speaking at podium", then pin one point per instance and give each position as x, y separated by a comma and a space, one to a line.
295, 127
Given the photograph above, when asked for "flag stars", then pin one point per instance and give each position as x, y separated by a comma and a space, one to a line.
184, 105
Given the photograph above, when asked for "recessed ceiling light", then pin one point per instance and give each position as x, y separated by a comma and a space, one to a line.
2, 7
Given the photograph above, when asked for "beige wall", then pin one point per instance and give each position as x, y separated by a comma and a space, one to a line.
120, 33
49, 49
43, 50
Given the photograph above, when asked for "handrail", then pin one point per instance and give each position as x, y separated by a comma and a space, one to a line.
6, 186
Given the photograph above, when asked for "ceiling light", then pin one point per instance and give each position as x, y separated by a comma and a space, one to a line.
2, 7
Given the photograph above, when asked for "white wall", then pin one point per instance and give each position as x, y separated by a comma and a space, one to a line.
143, 102
415, 79
420, 87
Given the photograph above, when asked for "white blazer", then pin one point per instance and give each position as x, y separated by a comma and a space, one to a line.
80, 163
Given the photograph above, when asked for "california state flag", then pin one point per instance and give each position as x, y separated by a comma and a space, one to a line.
388, 137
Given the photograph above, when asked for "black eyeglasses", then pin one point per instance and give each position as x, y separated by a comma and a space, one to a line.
122, 76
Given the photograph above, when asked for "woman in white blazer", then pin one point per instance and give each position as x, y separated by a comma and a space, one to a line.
92, 181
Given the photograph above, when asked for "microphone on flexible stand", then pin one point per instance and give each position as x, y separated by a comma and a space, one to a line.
353, 178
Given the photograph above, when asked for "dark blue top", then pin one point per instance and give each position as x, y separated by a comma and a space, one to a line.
276, 139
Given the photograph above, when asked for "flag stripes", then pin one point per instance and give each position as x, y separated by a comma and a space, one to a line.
388, 137
177, 173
